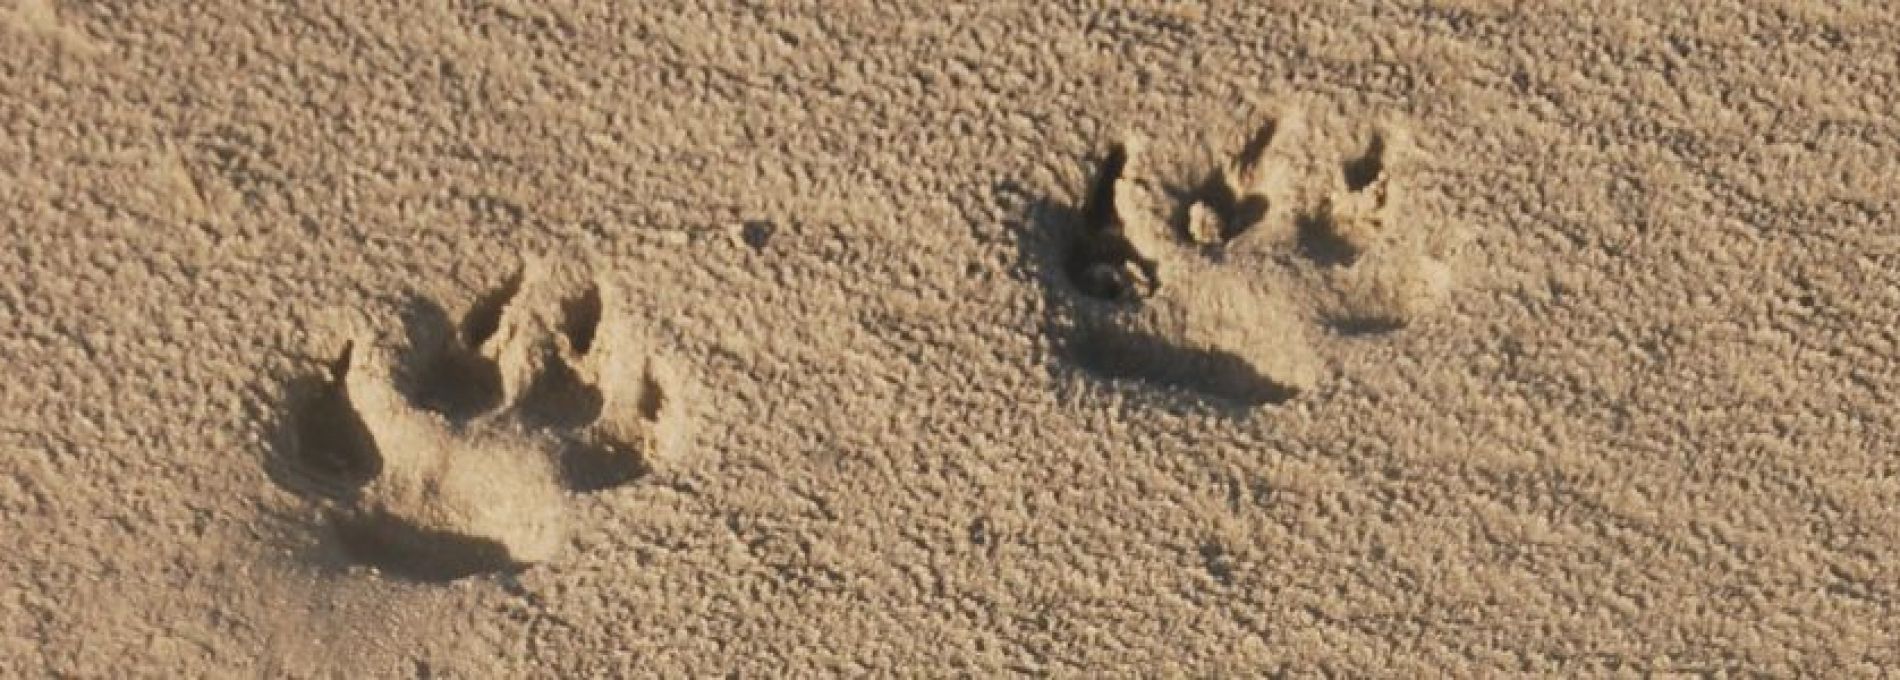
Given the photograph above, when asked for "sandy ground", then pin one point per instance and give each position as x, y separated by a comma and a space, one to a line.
489, 338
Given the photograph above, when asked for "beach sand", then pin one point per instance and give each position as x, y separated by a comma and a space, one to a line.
492, 338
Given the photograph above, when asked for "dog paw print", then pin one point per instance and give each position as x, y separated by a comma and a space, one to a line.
1229, 283
460, 459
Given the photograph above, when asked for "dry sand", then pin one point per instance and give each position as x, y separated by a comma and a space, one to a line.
493, 338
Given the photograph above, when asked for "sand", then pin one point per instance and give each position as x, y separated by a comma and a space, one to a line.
491, 338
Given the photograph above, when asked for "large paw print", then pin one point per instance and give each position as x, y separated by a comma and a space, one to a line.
1225, 283
462, 461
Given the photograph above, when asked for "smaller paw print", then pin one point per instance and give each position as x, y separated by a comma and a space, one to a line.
1229, 283
460, 458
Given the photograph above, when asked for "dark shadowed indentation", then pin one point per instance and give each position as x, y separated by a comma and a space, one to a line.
1098, 207
652, 396
402, 549
329, 444
757, 233
1365, 325
1256, 146
1361, 172
980, 531
598, 461
460, 384
1136, 355
559, 398
484, 317
1237, 212
1218, 565
1099, 254
1320, 242
441, 373
614, 453
580, 319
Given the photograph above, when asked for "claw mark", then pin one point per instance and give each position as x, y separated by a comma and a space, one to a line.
1102, 263
1098, 210
1231, 201
1248, 164
484, 318
652, 395
580, 319
462, 380
1361, 172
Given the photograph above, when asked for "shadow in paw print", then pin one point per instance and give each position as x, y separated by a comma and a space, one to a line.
328, 449
332, 453
559, 397
1088, 270
1235, 212
1142, 356
615, 453
400, 548
1321, 242
448, 373
1351, 326
1099, 260
580, 319
1361, 172
1322, 236
598, 463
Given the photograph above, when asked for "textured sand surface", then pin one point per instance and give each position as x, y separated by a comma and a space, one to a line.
491, 338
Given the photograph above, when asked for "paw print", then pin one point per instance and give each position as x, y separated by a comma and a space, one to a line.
1230, 285
460, 459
